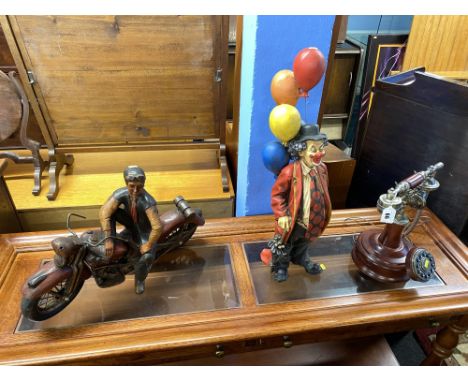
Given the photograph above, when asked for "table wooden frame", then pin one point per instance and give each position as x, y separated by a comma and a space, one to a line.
251, 327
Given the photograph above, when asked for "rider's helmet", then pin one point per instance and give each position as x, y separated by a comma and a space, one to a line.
134, 174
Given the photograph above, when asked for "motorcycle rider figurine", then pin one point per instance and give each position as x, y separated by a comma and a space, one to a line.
136, 210
301, 204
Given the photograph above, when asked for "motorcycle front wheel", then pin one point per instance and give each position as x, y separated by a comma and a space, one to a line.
51, 301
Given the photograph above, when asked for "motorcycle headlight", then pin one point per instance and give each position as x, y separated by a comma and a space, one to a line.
65, 249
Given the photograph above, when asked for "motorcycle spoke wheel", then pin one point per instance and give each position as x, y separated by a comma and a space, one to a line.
186, 234
182, 234
173, 233
52, 298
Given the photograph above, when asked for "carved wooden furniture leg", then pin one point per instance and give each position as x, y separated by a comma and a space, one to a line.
224, 167
33, 146
57, 162
39, 166
446, 341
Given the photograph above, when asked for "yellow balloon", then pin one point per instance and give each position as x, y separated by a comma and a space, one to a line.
285, 122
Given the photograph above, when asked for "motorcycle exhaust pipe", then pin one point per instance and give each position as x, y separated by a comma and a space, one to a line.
183, 206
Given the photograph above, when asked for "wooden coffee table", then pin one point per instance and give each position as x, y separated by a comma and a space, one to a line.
214, 298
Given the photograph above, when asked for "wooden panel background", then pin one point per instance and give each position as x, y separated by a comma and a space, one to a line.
439, 44
6, 59
121, 79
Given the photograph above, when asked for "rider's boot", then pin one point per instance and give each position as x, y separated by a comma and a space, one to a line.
139, 286
142, 268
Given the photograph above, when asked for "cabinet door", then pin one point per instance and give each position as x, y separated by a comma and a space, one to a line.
339, 96
125, 79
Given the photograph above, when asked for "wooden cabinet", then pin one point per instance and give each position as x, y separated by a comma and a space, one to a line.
340, 173
340, 92
214, 298
112, 91
417, 119
340, 95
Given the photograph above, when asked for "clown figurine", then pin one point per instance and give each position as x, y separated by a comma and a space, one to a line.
301, 205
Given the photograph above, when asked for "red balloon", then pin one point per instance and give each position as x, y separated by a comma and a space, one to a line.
308, 67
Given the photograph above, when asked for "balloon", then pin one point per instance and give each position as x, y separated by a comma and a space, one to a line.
266, 256
283, 88
275, 157
285, 122
308, 67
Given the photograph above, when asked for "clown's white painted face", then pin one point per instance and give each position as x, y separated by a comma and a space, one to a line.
313, 153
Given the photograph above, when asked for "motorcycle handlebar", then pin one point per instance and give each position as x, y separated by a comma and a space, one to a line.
103, 240
68, 222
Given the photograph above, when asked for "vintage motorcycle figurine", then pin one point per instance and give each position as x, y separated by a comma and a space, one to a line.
77, 258
301, 204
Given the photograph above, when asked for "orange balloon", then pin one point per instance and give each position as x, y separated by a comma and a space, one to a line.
283, 88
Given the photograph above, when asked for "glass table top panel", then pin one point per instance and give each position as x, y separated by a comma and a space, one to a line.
340, 278
189, 279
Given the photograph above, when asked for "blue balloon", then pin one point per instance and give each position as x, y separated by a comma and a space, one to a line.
275, 157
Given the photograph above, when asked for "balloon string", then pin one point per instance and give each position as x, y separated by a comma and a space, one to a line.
305, 109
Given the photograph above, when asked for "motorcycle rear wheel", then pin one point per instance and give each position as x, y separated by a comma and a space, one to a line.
51, 302
176, 238
182, 234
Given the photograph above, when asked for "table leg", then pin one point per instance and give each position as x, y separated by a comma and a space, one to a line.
446, 341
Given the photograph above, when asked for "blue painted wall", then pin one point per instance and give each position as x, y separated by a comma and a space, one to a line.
383, 24
270, 44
